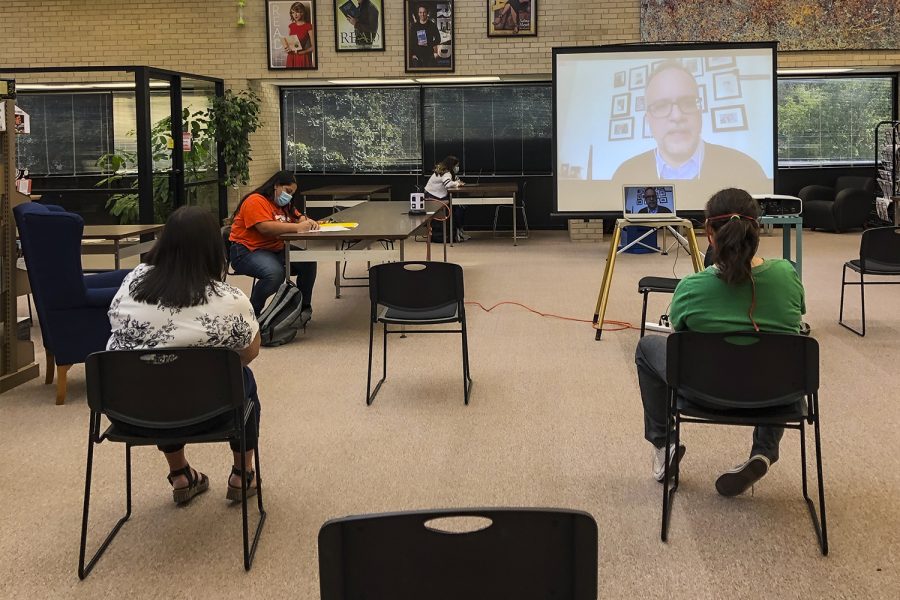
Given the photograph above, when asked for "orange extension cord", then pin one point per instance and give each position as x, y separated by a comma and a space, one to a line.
620, 325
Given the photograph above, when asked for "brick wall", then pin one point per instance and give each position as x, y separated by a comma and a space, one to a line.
202, 36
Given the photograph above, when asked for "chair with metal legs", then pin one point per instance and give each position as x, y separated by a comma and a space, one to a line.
416, 293
648, 285
879, 254
708, 382
159, 390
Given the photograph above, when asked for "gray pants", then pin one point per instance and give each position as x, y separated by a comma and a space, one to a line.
650, 358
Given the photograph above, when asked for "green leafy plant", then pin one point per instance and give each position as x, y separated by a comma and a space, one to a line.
233, 117
121, 165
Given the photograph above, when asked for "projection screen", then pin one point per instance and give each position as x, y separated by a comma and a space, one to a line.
699, 117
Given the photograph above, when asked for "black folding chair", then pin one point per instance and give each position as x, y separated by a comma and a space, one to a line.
520, 553
416, 293
879, 254
166, 389
747, 379
648, 285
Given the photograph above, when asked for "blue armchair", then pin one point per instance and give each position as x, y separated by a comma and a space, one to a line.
71, 306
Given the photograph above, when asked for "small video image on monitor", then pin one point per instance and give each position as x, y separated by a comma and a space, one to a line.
650, 199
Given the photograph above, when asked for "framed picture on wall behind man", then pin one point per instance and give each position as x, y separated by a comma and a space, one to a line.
428, 36
358, 25
292, 31
511, 18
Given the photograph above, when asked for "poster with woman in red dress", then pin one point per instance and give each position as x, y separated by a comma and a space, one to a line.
292, 38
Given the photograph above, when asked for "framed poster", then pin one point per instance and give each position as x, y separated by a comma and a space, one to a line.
511, 18
291, 29
358, 25
428, 35
729, 118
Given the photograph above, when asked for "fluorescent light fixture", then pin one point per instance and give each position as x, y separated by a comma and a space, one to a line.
370, 81
815, 71
486, 79
55, 87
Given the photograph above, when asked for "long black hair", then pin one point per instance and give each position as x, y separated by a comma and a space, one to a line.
187, 258
732, 224
267, 189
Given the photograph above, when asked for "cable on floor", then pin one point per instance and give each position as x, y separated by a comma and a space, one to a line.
618, 325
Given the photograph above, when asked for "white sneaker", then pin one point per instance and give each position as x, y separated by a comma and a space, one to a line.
739, 479
659, 454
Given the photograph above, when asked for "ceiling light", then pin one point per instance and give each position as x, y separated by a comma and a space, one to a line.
370, 81
814, 71
458, 79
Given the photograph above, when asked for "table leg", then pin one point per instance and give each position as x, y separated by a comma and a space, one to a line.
444, 230
786, 241
695, 250
337, 274
287, 261
450, 210
603, 296
799, 234
515, 235
118, 259
428, 242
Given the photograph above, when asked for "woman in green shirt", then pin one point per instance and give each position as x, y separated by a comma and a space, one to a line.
740, 292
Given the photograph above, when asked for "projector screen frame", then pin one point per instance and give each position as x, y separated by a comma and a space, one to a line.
654, 47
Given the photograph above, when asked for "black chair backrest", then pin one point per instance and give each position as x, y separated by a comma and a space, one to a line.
855, 182
416, 285
742, 370
881, 244
522, 553
166, 388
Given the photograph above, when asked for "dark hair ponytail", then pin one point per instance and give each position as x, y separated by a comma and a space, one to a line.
733, 227
267, 189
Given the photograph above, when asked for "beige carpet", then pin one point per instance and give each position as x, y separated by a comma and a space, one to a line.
555, 421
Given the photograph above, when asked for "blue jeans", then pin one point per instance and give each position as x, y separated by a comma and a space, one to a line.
267, 267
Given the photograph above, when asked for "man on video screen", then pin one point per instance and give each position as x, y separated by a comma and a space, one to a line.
674, 117
653, 206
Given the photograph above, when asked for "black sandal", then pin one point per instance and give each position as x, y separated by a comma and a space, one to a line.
234, 493
196, 485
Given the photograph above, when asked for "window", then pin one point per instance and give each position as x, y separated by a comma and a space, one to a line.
492, 129
69, 132
831, 121
352, 130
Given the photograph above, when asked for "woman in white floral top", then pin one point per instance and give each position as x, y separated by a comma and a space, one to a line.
178, 299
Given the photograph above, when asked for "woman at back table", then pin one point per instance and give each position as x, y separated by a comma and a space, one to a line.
445, 178
256, 250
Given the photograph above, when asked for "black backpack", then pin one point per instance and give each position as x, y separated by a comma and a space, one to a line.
283, 316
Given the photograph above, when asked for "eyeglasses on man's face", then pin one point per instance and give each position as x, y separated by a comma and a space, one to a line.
686, 105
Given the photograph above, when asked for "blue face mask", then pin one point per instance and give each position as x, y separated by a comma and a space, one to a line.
283, 199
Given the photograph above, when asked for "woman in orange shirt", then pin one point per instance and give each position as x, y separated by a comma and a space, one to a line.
263, 215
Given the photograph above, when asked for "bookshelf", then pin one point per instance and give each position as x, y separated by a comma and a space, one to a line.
16, 355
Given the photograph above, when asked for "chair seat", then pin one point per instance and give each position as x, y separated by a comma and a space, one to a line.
115, 433
875, 267
657, 284
429, 316
787, 413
